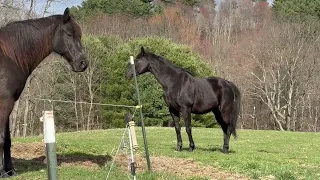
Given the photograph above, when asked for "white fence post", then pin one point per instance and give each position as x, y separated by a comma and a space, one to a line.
50, 142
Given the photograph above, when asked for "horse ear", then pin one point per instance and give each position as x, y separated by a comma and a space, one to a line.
142, 50
66, 15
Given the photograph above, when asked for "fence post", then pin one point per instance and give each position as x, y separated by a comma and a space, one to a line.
132, 141
50, 143
141, 117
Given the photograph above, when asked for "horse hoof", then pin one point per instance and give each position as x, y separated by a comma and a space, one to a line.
179, 148
225, 151
191, 148
13, 173
7, 174
4, 174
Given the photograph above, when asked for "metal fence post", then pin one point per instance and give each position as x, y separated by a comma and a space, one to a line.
141, 117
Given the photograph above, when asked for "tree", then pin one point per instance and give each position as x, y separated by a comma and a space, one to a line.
297, 9
94, 7
285, 60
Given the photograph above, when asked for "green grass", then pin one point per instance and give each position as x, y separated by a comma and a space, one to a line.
255, 154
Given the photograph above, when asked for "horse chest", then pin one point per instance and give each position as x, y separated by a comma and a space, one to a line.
171, 99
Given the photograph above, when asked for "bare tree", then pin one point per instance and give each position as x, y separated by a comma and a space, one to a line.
285, 69
92, 78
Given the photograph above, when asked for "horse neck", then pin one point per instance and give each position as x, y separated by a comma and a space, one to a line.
163, 72
30, 45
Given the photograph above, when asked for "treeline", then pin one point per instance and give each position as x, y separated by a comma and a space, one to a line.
104, 82
271, 53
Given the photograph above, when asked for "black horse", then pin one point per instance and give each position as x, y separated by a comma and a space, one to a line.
23, 45
187, 94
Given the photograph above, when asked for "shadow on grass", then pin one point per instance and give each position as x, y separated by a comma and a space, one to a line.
267, 151
214, 148
27, 165
39, 163
210, 149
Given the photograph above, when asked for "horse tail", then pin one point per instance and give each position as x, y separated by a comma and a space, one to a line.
235, 110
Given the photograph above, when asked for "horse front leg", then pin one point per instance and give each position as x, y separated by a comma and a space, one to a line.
186, 112
6, 106
7, 152
3, 173
176, 119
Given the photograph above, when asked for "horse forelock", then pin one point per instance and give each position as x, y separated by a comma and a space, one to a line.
77, 27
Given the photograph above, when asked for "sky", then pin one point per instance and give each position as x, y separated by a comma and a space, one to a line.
58, 8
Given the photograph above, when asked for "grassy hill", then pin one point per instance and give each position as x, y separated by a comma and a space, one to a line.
254, 155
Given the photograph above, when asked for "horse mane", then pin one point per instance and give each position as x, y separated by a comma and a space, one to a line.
27, 42
170, 64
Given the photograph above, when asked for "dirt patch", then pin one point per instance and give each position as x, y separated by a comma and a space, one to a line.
36, 153
88, 164
178, 166
86, 160
27, 150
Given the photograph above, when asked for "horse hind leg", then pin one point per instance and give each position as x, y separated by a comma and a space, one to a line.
226, 140
224, 126
226, 132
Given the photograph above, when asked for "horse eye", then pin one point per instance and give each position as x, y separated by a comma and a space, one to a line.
69, 34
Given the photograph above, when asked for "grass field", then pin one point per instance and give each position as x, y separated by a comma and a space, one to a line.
254, 155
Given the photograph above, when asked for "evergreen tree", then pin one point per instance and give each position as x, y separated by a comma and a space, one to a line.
297, 9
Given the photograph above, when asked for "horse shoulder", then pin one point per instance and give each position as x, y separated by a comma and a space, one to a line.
187, 91
12, 80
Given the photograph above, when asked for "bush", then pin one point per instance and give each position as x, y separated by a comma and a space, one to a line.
120, 91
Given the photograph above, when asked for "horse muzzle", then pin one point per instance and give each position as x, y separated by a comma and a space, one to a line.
80, 65
129, 75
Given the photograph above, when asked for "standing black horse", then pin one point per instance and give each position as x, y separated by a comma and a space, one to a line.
23, 45
188, 94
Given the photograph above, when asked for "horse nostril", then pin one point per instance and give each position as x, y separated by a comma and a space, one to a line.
83, 64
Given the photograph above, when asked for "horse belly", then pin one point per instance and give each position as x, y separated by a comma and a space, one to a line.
205, 98
204, 105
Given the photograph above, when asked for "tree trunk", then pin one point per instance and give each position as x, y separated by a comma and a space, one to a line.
15, 113
82, 114
31, 8
26, 111
25, 117
75, 102
31, 123
289, 108
89, 113
316, 120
